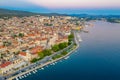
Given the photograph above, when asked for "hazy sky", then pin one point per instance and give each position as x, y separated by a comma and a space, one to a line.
64, 6
76, 3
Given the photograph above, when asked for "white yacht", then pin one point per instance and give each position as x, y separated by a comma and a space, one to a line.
34, 72
20, 77
67, 57
17, 78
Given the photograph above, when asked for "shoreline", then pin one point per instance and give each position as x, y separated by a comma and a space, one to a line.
45, 64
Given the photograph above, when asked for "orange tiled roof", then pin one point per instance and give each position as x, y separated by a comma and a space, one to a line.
5, 64
36, 49
22, 53
1, 47
31, 35
44, 38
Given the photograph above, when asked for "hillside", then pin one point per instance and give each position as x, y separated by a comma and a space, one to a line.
10, 13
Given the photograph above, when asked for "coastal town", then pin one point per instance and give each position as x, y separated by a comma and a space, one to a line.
23, 39
59, 39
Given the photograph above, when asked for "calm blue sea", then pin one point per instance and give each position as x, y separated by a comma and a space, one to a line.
98, 57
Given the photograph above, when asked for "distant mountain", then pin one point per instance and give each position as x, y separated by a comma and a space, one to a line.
10, 13
97, 16
79, 15
109, 18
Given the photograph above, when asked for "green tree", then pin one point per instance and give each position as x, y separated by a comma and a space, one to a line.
63, 45
34, 60
69, 42
21, 35
47, 52
55, 48
64, 53
56, 56
70, 38
41, 55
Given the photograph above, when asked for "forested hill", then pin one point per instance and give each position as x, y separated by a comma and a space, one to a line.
10, 13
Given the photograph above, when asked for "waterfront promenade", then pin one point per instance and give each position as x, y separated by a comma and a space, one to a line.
47, 60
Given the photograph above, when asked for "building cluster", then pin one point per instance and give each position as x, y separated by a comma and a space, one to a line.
22, 38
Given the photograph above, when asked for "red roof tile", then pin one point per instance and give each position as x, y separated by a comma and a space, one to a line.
22, 53
5, 64
36, 49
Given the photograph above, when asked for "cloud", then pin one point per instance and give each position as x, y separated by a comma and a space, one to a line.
63, 3
14, 3
76, 3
